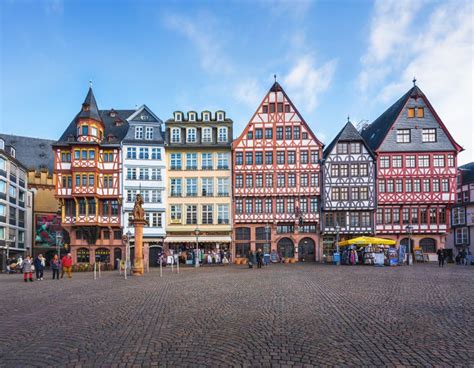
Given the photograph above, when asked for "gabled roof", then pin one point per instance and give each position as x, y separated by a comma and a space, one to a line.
467, 173
347, 133
89, 107
139, 111
375, 133
33, 153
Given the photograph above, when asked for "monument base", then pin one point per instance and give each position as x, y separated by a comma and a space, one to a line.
138, 269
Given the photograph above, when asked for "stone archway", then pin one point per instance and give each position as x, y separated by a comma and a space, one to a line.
306, 248
286, 248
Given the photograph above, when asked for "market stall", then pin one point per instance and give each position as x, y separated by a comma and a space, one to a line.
369, 250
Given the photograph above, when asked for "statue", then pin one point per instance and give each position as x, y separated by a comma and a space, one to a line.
138, 211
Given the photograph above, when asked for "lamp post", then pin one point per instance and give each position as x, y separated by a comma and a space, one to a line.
409, 230
338, 228
196, 261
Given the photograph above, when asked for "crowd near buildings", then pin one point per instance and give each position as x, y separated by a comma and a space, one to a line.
276, 187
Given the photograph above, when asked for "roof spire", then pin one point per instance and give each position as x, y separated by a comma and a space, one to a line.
414, 81
275, 77
348, 118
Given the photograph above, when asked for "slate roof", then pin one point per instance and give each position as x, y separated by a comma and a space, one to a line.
93, 111
467, 173
33, 153
348, 133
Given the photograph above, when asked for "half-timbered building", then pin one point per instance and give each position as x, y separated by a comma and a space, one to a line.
349, 193
87, 164
276, 182
416, 172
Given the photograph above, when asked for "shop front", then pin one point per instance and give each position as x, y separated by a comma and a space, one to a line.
210, 249
369, 251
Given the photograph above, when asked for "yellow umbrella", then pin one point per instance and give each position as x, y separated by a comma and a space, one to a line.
365, 240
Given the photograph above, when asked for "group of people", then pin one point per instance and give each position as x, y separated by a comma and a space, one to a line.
461, 258
256, 257
38, 265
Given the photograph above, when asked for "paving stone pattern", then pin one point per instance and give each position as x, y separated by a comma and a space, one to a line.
281, 316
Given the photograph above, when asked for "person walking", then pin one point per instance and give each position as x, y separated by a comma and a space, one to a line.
250, 259
27, 269
259, 258
463, 257
39, 267
66, 263
440, 253
55, 266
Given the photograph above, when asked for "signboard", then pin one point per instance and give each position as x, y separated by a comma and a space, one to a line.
401, 254
46, 227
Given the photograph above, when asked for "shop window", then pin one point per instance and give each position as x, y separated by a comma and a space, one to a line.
242, 233
242, 250
428, 245
102, 255
83, 255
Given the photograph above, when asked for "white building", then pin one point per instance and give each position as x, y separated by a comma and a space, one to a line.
144, 171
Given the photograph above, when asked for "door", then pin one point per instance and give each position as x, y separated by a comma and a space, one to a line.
306, 250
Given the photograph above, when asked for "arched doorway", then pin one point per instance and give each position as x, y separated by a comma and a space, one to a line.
428, 245
155, 251
306, 249
117, 255
404, 242
286, 248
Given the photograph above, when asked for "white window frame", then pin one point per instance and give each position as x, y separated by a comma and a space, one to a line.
138, 132
429, 135
223, 134
189, 135
149, 133
206, 135
175, 135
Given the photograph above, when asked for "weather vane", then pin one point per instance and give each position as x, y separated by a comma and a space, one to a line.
414, 81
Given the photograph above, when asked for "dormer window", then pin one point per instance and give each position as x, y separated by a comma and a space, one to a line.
206, 116
113, 114
222, 134
175, 135
2, 144
85, 107
206, 135
149, 133
12, 152
178, 116
191, 136
220, 116
192, 116
138, 132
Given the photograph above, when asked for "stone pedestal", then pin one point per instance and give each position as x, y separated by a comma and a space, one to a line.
138, 269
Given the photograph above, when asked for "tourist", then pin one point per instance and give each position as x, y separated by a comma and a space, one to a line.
27, 269
66, 264
463, 257
440, 253
250, 259
55, 266
39, 267
259, 258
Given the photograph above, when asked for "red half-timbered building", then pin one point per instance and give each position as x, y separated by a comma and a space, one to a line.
88, 167
416, 172
276, 182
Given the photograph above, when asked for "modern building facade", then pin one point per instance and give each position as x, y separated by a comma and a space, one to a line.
15, 206
416, 172
349, 191
276, 182
198, 154
144, 171
462, 215
37, 156
87, 164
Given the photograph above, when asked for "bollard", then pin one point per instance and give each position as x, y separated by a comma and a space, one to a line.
161, 267
172, 265
177, 266
95, 271
99, 270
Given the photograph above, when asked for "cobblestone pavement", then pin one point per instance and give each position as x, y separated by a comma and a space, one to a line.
282, 315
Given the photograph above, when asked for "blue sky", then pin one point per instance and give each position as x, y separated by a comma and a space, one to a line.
334, 58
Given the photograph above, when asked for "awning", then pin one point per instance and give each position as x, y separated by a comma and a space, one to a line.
201, 239
366, 240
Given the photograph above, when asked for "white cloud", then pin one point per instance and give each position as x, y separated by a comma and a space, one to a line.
438, 51
249, 92
306, 81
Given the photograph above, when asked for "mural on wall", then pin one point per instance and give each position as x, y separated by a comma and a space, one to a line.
46, 227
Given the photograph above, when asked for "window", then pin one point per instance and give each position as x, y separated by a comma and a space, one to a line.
304, 180
428, 135
258, 133
258, 180
344, 194
131, 153
191, 161
444, 185
280, 180
291, 157
143, 173
296, 132
461, 235
314, 157
269, 158
220, 116
269, 180
334, 170
175, 135
355, 148
387, 215
138, 132
451, 160
149, 133
155, 154
258, 205
280, 205
222, 161
420, 112
249, 135
223, 187
248, 158
398, 185
385, 162
290, 205
222, 135
303, 157
410, 161
268, 205
279, 133
84, 154
280, 157
417, 185
175, 213
304, 205
314, 180
206, 135
365, 219
397, 161
265, 109
428, 245
396, 215
191, 135
191, 116
342, 148
176, 161
382, 186
354, 219
354, 193
85, 130
354, 170
288, 132
207, 187
108, 156
411, 112
406, 215
207, 214
238, 205
314, 204
280, 107
436, 186
403, 136
459, 216
143, 153
239, 180
249, 205
191, 214
239, 158
291, 180
268, 133
155, 219
424, 161
155, 196
191, 187
408, 186
426, 185
272, 107
176, 187
259, 158
206, 161
65, 157
344, 170
364, 193
223, 214
91, 180
438, 161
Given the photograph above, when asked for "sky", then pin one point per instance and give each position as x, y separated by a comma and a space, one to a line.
333, 58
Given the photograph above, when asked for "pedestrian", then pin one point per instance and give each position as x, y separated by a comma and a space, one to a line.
55, 266
27, 269
259, 258
250, 259
440, 253
463, 257
66, 265
39, 267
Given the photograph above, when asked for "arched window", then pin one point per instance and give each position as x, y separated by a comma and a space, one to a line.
428, 245
102, 255
83, 255
286, 248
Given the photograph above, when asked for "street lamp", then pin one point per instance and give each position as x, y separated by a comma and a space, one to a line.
409, 230
338, 228
196, 258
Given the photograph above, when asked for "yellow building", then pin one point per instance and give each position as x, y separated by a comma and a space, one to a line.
198, 153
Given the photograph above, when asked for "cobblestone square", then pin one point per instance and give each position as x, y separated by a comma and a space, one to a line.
283, 315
